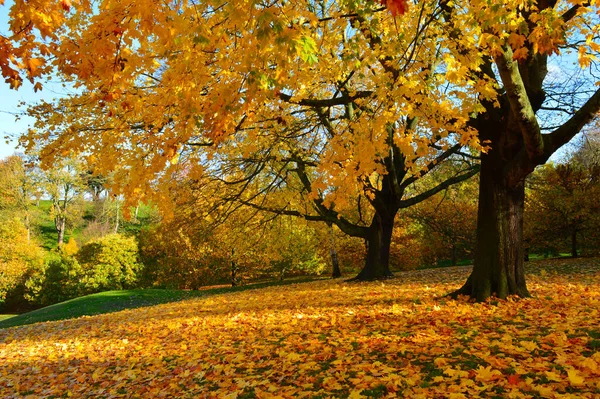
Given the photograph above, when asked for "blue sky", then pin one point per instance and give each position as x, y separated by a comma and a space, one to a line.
10, 99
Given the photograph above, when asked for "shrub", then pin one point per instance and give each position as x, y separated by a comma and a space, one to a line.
110, 263
60, 281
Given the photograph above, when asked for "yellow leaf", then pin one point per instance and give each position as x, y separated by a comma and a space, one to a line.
574, 378
552, 376
356, 395
440, 361
487, 374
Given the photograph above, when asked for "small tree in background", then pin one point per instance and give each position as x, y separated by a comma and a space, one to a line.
110, 263
19, 185
20, 258
65, 186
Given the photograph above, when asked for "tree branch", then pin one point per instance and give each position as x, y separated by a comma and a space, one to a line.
571, 12
328, 102
519, 102
442, 186
553, 141
432, 164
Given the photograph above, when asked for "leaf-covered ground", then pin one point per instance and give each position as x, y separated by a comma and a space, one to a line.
327, 339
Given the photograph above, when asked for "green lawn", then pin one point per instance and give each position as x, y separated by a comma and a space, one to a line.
113, 301
6, 316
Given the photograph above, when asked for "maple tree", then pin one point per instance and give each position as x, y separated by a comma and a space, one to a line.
524, 122
33, 26
214, 92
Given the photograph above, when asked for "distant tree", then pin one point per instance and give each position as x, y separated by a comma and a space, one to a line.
65, 187
110, 263
564, 203
20, 184
449, 220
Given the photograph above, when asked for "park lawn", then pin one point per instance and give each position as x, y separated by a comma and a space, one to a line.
113, 301
398, 338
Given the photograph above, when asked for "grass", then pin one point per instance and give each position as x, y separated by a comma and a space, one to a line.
533, 257
6, 316
46, 229
114, 301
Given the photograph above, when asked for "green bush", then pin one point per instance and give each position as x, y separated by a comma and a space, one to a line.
59, 282
110, 263
107, 263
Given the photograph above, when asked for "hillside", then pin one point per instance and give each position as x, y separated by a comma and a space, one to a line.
398, 338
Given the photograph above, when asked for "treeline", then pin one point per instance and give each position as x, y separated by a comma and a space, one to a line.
63, 234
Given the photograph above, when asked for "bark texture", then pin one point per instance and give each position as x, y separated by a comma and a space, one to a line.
379, 239
499, 257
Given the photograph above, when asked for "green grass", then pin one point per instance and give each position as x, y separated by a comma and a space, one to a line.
113, 301
6, 316
533, 257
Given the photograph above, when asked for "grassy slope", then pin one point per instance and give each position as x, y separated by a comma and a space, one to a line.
113, 301
47, 231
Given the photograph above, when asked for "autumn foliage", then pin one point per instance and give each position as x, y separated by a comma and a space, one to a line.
400, 338
20, 257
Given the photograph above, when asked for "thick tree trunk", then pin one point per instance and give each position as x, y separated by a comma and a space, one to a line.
574, 243
377, 263
498, 268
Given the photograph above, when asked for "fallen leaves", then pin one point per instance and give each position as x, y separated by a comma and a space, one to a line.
326, 339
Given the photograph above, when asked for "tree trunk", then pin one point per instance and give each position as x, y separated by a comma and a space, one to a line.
28, 226
60, 228
379, 239
574, 243
498, 268
233, 269
117, 217
335, 270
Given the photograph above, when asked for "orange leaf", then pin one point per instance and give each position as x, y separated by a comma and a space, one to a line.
396, 7
514, 379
